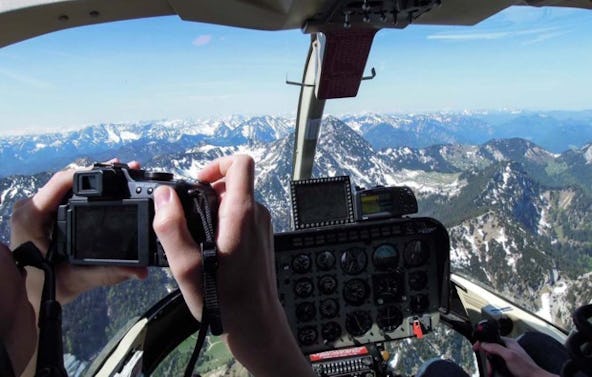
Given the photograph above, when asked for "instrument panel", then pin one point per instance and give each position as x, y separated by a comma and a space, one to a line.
363, 283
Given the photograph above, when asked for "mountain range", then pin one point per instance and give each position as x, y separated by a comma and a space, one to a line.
29, 154
519, 214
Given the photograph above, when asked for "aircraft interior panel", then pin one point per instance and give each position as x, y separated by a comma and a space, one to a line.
361, 283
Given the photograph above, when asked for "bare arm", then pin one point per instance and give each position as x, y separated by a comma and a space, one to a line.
257, 331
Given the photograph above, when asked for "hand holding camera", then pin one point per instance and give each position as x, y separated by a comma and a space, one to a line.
108, 219
33, 219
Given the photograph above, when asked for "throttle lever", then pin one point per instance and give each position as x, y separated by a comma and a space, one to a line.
487, 331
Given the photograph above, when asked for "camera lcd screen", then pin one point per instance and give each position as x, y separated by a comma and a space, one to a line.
321, 202
106, 232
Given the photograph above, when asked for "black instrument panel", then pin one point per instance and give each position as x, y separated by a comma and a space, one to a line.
363, 283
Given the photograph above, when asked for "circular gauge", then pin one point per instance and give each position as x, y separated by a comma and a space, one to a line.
358, 323
387, 288
389, 318
416, 253
327, 284
353, 261
355, 292
419, 303
331, 331
301, 263
307, 335
305, 311
326, 260
385, 257
329, 308
303, 287
418, 280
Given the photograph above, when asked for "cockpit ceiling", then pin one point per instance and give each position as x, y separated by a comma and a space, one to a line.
23, 19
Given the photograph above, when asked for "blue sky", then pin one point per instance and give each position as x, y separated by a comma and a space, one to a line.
528, 58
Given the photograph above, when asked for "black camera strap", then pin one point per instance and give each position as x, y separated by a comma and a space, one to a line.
211, 317
50, 358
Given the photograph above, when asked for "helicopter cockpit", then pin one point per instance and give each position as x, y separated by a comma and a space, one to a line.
359, 269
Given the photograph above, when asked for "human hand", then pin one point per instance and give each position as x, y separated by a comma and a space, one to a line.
257, 331
519, 363
33, 219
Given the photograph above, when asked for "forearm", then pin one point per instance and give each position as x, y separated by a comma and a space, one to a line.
273, 350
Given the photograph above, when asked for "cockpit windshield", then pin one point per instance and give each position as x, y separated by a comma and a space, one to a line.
489, 125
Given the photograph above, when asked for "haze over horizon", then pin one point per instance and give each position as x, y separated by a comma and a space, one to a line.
163, 68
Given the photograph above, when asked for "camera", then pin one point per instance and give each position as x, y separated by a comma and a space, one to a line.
107, 219
331, 201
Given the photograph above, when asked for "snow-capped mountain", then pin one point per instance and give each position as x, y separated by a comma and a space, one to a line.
518, 215
554, 131
29, 154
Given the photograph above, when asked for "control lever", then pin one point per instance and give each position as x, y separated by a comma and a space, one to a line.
487, 331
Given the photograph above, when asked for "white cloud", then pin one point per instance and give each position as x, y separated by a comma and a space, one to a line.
202, 40
25, 79
470, 37
493, 35
545, 36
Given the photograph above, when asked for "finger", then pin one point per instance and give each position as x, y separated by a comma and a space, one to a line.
215, 170
133, 165
510, 342
239, 171
49, 196
220, 188
182, 253
495, 349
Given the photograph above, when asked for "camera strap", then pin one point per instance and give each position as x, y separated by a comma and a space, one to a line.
211, 317
50, 358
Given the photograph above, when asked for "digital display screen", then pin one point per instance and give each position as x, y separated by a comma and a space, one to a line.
106, 232
376, 203
323, 202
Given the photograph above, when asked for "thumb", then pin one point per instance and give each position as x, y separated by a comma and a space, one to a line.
181, 251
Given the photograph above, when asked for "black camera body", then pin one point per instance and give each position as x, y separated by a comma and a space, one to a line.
108, 218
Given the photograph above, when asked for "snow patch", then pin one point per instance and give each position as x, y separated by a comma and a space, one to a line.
128, 136
112, 136
588, 155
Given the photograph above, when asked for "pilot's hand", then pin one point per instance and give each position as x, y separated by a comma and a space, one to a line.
17, 319
257, 331
32, 220
516, 358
